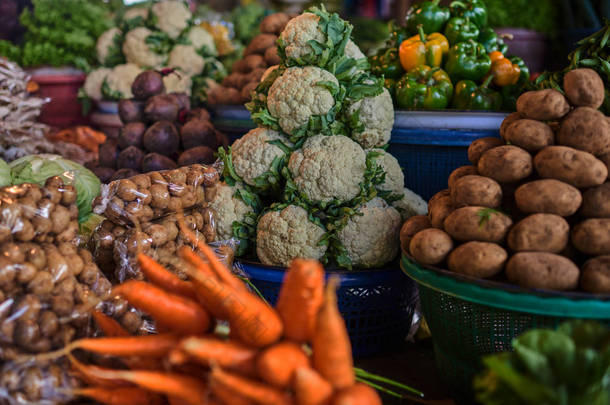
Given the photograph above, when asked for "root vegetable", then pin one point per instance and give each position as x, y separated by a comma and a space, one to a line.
506, 164
198, 132
477, 259
595, 276
575, 167
249, 389
430, 246
542, 270
480, 146
226, 354
147, 84
530, 135
586, 129
592, 236
162, 137
108, 153
162, 107
596, 202
277, 364
477, 223
584, 87
154, 162
131, 135
411, 227
310, 388
131, 111
130, 158
548, 196
459, 173
476, 190
543, 105
539, 233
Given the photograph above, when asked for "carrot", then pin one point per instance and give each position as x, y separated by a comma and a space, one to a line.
188, 255
109, 326
226, 354
227, 396
179, 314
277, 364
310, 388
87, 373
161, 277
252, 390
332, 351
300, 298
358, 394
120, 396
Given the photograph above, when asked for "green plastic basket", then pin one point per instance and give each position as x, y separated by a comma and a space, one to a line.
470, 318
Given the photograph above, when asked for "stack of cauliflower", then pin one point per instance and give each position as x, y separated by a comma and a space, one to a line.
160, 36
313, 180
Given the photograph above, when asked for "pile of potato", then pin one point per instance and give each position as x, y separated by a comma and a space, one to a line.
534, 206
160, 132
258, 56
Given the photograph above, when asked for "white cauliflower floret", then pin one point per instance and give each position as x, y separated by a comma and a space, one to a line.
253, 154
295, 96
121, 77
228, 208
135, 12
410, 204
371, 239
376, 114
352, 50
328, 168
287, 234
105, 42
172, 17
186, 58
93, 83
200, 37
178, 83
298, 32
394, 177
136, 49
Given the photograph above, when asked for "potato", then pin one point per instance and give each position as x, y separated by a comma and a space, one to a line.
411, 226
480, 146
439, 207
254, 61
274, 23
596, 202
595, 275
510, 118
530, 135
585, 129
542, 270
198, 114
246, 91
476, 190
430, 246
239, 67
548, 196
539, 233
506, 164
543, 105
271, 56
235, 80
592, 236
477, 223
260, 43
575, 167
584, 87
477, 259
459, 173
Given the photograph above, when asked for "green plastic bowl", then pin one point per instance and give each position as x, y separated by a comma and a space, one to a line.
470, 318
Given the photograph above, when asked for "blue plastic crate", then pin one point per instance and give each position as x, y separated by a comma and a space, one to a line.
377, 305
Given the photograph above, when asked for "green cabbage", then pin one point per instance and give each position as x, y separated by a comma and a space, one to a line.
38, 168
5, 174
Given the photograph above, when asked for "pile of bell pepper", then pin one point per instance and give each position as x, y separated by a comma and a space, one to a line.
447, 57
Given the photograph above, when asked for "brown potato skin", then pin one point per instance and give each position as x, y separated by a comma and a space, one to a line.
476, 190
585, 129
605, 158
584, 87
595, 275
548, 196
506, 164
260, 43
465, 224
542, 270
543, 105
575, 167
539, 233
592, 236
274, 23
596, 202
510, 118
412, 226
439, 207
477, 259
459, 173
480, 146
430, 246
530, 135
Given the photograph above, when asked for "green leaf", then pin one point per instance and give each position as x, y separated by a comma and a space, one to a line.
110, 94
159, 42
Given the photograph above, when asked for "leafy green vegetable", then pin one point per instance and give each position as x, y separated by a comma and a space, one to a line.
115, 52
5, 174
541, 15
159, 42
89, 224
246, 20
110, 94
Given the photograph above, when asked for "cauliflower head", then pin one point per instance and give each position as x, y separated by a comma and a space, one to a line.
172, 17
104, 44
352, 50
136, 49
135, 12
295, 96
371, 239
178, 83
186, 58
93, 83
287, 234
253, 154
200, 37
328, 168
229, 208
297, 34
121, 77
394, 177
376, 115
410, 204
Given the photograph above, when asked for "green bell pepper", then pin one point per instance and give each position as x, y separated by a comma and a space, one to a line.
390, 84
511, 93
467, 61
459, 29
387, 63
492, 41
424, 87
524, 76
469, 96
429, 14
473, 9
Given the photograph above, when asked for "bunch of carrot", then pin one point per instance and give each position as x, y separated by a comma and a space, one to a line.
297, 353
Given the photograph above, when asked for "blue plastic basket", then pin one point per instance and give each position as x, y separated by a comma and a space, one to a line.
377, 305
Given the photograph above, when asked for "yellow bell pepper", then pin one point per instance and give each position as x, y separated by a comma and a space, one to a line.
503, 70
423, 49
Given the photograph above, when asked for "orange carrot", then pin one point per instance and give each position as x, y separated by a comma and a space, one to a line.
277, 364
226, 354
161, 277
109, 326
178, 314
300, 298
332, 351
252, 390
358, 394
120, 396
188, 255
310, 388
227, 396
87, 373
216, 267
